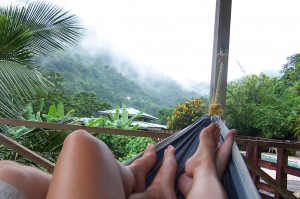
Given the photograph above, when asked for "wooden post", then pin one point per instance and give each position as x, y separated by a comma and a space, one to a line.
253, 154
281, 177
256, 157
250, 155
221, 42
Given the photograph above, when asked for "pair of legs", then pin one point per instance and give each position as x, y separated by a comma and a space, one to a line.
86, 168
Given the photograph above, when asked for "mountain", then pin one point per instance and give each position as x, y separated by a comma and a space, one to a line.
116, 80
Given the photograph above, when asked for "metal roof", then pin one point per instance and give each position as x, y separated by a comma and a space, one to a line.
148, 125
131, 112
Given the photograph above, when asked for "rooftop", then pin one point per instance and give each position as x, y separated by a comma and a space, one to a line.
131, 112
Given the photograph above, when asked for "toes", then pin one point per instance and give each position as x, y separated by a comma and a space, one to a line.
210, 135
169, 166
224, 153
168, 169
217, 133
148, 159
141, 167
184, 184
163, 183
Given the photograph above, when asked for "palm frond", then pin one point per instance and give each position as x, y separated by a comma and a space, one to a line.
51, 26
15, 41
19, 85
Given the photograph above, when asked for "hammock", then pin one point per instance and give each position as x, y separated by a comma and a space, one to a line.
236, 181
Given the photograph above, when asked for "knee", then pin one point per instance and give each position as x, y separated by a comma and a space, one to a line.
77, 137
9, 164
80, 138
10, 170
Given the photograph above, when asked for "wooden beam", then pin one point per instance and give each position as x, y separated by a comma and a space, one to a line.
70, 127
221, 42
268, 179
26, 152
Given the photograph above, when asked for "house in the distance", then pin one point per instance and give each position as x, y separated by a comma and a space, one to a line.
144, 121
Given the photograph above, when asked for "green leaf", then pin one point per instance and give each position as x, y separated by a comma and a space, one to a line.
60, 112
52, 111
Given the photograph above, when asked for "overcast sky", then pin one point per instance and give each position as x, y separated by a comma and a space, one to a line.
176, 36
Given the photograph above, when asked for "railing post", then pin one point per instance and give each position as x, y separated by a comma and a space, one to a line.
256, 157
281, 177
253, 154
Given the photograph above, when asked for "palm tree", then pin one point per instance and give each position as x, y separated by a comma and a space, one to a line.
27, 32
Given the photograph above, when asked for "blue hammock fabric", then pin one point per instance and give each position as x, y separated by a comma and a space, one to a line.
237, 181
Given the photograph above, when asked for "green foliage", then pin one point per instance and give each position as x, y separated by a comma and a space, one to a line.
18, 86
291, 72
15, 40
38, 28
186, 114
83, 72
87, 104
55, 78
57, 113
243, 97
123, 147
51, 27
163, 114
264, 106
119, 119
47, 143
82, 104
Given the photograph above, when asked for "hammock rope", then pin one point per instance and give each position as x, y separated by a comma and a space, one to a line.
216, 108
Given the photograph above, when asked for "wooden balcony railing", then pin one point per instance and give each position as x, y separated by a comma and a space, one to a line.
269, 187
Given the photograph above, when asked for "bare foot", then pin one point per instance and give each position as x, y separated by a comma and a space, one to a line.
209, 139
162, 186
201, 168
141, 167
223, 155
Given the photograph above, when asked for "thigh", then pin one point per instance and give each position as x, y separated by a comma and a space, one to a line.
86, 168
29, 181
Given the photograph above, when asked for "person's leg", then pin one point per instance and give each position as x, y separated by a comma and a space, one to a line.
201, 167
31, 182
86, 168
162, 186
223, 155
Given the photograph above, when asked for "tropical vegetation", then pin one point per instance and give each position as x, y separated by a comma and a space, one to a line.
187, 113
28, 32
258, 105
82, 72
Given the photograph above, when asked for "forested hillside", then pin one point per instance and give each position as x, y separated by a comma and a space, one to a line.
97, 73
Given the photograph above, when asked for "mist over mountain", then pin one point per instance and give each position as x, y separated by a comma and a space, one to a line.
117, 80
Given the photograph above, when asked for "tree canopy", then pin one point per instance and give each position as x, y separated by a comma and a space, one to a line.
186, 113
259, 105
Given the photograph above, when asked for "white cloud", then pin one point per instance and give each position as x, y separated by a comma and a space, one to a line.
176, 36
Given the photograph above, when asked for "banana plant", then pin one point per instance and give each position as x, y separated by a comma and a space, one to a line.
123, 147
45, 142
120, 119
